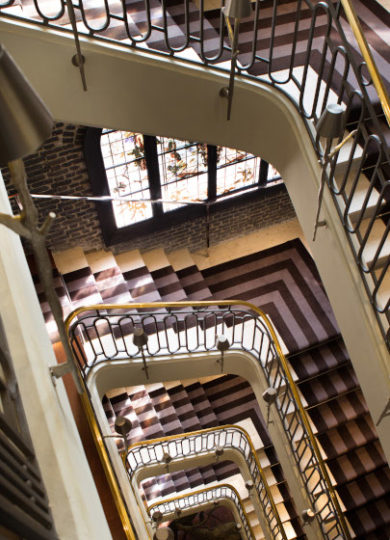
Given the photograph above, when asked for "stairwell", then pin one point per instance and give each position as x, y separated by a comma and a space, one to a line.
283, 281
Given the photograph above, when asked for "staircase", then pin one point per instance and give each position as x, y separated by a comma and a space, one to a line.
224, 400
284, 283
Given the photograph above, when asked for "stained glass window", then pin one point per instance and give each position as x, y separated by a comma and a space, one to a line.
235, 170
140, 169
127, 175
183, 171
273, 174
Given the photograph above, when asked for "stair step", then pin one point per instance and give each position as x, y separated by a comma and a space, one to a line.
266, 277
137, 277
339, 410
108, 277
356, 191
165, 411
78, 277
158, 486
191, 279
202, 405
82, 287
233, 400
322, 358
329, 385
172, 426
184, 409
371, 517
69, 260
357, 462
168, 284
164, 277
376, 234
189, 420
148, 420
360, 492
194, 284
348, 436
344, 155
150, 427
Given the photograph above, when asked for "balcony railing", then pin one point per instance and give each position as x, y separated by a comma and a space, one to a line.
175, 507
321, 66
103, 333
204, 443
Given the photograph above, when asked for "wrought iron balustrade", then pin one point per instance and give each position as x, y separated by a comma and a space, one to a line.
176, 507
203, 443
324, 65
103, 333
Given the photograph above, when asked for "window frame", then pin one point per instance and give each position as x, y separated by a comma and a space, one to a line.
162, 220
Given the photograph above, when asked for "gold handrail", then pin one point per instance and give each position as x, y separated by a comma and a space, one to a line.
222, 428
353, 20
107, 466
205, 490
261, 314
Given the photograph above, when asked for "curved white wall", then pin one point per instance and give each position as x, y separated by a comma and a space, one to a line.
132, 90
118, 374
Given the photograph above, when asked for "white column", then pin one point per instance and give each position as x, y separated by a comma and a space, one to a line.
75, 503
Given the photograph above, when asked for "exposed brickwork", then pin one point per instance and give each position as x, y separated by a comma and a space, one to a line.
59, 168
237, 221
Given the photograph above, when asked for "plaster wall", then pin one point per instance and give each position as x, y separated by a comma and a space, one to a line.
72, 494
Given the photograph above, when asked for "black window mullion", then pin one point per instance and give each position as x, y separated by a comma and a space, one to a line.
151, 158
212, 172
263, 174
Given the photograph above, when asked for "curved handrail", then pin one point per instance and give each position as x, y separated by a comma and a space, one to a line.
203, 496
185, 445
377, 80
279, 377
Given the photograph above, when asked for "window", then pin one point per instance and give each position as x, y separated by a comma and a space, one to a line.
157, 181
127, 175
236, 170
183, 171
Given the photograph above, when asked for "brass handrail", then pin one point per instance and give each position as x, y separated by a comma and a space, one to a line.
205, 490
377, 80
222, 428
294, 389
106, 463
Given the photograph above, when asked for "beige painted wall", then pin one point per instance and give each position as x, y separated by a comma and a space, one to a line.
71, 490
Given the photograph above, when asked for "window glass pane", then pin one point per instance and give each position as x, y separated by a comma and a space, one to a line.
127, 176
235, 170
273, 174
183, 171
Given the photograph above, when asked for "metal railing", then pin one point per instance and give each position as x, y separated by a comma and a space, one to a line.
318, 66
103, 333
197, 444
176, 507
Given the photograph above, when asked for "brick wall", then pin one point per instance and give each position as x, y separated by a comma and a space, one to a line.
236, 221
59, 167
